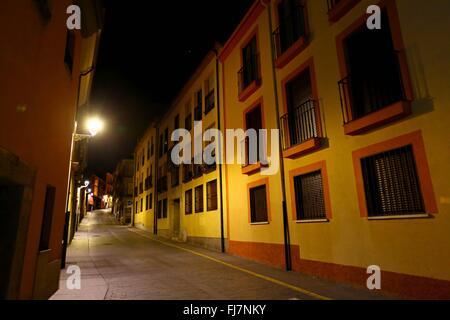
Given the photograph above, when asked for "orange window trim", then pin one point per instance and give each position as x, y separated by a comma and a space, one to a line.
255, 85
259, 183
253, 168
309, 63
322, 166
396, 39
426, 186
299, 45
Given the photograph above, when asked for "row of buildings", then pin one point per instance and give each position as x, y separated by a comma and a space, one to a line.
363, 150
47, 72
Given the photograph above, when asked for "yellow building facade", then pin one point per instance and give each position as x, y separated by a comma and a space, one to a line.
356, 140
363, 158
144, 188
187, 197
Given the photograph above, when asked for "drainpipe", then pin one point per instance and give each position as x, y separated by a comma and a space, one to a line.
222, 232
287, 239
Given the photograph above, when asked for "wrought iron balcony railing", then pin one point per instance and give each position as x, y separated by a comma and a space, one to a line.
290, 30
300, 125
249, 73
372, 90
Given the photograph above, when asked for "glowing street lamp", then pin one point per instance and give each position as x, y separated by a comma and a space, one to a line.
94, 126
86, 183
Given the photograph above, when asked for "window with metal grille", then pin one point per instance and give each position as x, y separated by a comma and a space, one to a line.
309, 200
211, 195
188, 202
199, 199
391, 183
258, 204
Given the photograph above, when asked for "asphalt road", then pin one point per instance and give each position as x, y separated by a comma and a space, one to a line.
119, 262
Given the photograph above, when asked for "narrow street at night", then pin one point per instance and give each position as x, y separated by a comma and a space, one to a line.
232, 159
118, 262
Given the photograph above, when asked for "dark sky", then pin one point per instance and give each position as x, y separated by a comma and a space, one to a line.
148, 51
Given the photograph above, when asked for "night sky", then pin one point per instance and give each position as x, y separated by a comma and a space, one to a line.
148, 51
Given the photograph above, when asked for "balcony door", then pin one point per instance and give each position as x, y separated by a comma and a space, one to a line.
373, 68
292, 23
301, 110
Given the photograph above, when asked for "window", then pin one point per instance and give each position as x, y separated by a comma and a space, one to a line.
188, 202
373, 77
258, 204
175, 175
253, 120
142, 205
47, 218
146, 202
162, 209
391, 183
199, 199
249, 73
188, 119
211, 195
309, 196
148, 150
70, 50
187, 172
198, 110
210, 96
136, 209
301, 122
292, 25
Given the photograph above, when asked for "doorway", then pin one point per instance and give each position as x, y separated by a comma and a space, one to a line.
16, 188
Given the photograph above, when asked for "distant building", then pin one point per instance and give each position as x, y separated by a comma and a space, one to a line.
363, 147
41, 90
122, 195
98, 187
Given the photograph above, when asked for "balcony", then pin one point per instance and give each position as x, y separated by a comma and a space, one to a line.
290, 38
249, 78
162, 184
209, 102
301, 130
148, 183
338, 8
373, 99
